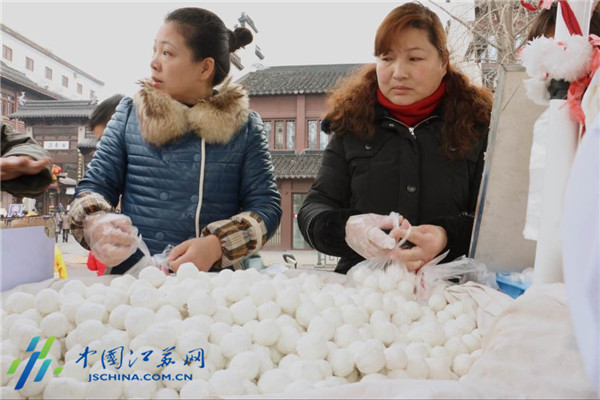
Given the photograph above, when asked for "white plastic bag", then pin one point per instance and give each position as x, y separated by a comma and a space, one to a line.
432, 279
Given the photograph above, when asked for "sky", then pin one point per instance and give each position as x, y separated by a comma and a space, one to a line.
113, 41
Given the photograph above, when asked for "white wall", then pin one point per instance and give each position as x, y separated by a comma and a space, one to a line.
20, 50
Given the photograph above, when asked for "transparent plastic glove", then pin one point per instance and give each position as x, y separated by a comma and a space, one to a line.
365, 235
111, 237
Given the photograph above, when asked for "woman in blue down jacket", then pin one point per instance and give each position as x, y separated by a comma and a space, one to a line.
190, 163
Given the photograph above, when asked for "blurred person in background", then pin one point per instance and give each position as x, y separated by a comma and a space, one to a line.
24, 164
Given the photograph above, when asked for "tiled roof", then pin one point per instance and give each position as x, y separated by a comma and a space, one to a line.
55, 109
289, 165
20, 78
297, 79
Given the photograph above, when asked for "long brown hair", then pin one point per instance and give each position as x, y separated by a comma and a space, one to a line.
466, 108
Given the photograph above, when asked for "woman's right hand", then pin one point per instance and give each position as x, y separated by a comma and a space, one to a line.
111, 237
365, 235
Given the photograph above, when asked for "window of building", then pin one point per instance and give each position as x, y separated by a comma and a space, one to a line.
298, 241
48, 73
79, 88
316, 138
92, 95
9, 104
268, 129
6, 53
290, 134
65, 81
29, 63
284, 135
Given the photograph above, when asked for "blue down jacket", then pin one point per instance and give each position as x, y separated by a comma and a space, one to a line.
157, 170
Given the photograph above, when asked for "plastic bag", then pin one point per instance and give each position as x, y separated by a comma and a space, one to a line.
433, 279
111, 237
158, 260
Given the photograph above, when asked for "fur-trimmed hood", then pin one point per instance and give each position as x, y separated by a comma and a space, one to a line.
215, 119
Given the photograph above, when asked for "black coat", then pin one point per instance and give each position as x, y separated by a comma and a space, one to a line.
401, 169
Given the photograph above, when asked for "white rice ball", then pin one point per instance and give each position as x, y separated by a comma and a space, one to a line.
274, 381
395, 357
153, 275
354, 315
201, 303
342, 362
64, 388
346, 335
369, 358
246, 364
47, 301
307, 370
471, 341
167, 313
137, 320
266, 332
187, 271
334, 315
311, 347
195, 389
385, 331
234, 343
117, 316
417, 368
93, 311
466, 323
218, 331
19, 302
148, 297
268, 310
243, 311
74, 286
322, 326
55, 324
223, 314
288, 340
160, 335
227, 383
455, 346
22, 331
433, 334
288, 299
262, 292
236, 290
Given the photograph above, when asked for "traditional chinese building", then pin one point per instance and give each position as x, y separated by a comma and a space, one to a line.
59, 126
291, 102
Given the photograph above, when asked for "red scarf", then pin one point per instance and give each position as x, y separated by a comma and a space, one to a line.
414, 113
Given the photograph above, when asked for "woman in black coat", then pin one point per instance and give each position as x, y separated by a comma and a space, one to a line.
408, 135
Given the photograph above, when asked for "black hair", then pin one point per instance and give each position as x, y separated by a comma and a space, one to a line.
206, 34
104, 111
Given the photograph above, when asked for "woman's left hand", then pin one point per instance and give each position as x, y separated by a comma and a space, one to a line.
429, 241
203, 252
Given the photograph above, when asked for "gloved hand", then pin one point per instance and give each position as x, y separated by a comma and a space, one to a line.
111, 237
365, 235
